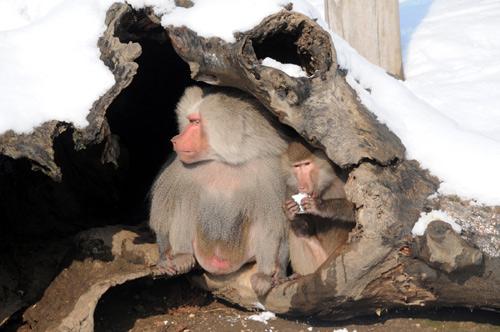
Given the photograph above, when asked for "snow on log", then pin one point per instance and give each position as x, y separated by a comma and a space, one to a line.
37, 146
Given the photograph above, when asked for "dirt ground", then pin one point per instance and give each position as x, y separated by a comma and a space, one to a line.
175, 306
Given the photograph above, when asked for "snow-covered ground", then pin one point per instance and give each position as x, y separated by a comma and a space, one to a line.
452, 62
447, 113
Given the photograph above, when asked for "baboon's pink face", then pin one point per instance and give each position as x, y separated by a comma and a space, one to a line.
191, 145
306, 173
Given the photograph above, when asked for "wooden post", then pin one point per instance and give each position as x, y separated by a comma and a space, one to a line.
371, 27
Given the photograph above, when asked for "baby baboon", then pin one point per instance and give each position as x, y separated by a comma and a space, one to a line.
319, 225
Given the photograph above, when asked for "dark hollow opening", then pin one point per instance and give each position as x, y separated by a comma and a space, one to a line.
143, 114
282, 46
131, 305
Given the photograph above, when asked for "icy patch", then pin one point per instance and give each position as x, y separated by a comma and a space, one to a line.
426, 218
288, 68
263, 317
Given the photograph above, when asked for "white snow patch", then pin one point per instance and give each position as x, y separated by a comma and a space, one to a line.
49, 61
319, 5
222, 18
426, 218
263, 317
19, 13
290, 69
259, 306
341, 330
453, 64
160, 7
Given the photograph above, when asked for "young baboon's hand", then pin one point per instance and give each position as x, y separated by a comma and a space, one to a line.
312, 205
291, 209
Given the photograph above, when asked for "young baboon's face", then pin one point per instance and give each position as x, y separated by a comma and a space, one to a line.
305, 171
191, 145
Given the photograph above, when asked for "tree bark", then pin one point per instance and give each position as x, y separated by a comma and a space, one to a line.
382, 266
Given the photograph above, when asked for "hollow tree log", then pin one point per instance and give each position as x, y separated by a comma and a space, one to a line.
382, 266
389, 192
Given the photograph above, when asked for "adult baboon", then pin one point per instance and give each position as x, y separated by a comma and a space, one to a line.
218, 200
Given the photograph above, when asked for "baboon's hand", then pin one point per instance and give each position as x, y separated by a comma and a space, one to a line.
291, 209
312, 205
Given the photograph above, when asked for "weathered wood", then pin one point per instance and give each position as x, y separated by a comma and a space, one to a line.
371, 27
444, 249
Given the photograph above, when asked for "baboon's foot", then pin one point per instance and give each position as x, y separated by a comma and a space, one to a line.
174, 265
261, 283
